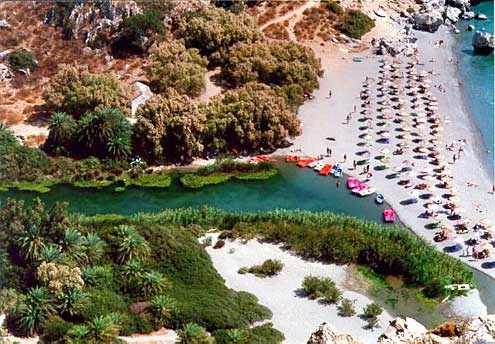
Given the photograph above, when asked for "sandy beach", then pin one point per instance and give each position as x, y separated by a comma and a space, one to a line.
295, 316
324, 117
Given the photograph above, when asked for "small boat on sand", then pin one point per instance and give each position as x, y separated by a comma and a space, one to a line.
388, 215
305, 162
352, 183
314, 163
326, 170
379, 198
319, 166
363, 190
338, 172
292, 158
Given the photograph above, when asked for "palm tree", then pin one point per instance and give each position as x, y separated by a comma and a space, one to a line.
132, 271
153, 283
35, 309
192, 333
237, 336
77, 334
62, 128
119, 147
132, 245
162, 308
102, 330
72, 245
94, 247
30, 243
51, 254
72, 301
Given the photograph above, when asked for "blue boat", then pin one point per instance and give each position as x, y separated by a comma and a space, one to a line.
379, 198
338, 172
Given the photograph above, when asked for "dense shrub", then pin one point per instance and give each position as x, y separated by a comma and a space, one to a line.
269, 268
74, 90
19, 163
134, 30
249, 119
315, 287
172, 65
265, 334
371, 313
22, 59
334, 7
355, 24
346, 308
274, 63
169, 127
214, 30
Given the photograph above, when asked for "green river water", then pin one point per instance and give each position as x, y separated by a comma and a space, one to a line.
293, 188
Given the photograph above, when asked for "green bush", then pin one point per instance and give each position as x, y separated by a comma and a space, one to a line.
315, 287
355, 24
334, 7
346, 308
269, 268
371, 313
265, 334
22, 59
133, 31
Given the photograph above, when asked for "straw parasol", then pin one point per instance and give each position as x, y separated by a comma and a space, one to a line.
427, 169
458, 240
486, 222
422, 149
434, 197
396, 169
430, 188
410, 174
486, 246
385, 151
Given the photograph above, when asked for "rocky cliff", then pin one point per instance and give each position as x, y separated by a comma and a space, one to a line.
479, 330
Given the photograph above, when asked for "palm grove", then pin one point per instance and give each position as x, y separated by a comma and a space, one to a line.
268, 82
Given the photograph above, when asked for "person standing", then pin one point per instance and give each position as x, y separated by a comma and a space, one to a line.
345, 157
330, 94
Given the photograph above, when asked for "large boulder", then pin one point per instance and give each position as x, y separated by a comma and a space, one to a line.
468, 15
327, 334
4, 25
5, 73
401, 331
482, 43
428, 21
463, 5
452, 14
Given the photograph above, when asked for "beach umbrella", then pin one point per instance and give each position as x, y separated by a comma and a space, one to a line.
486, 246
422, 150
459, 210
385, 160
396, 169
384, 151
432, 206
486, 222
427, 177
368, 143
407, 162
438, 149
427, 169
430, 188
410, 174
385, 134
454, 199
367, 137
406, 128
434, 197
458, 240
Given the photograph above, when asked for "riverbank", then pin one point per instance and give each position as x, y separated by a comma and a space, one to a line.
324, 125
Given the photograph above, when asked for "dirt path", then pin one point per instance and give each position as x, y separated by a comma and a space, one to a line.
293, 17
212, 89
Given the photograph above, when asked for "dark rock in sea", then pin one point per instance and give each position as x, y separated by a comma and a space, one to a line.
481, 16
482, 43
470, 27
463, 5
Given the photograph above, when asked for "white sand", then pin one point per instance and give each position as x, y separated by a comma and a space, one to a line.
323, 117
295, 316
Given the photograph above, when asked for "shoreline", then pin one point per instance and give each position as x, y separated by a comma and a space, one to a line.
323, 117
452, 44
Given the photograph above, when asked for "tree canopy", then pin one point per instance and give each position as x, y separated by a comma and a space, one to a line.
172, 65
74, 90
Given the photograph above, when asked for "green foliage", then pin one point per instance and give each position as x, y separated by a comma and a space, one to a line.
75, 91
151, 180
19, 163
315, 287
265, 334
281, 64
100, 329
171, 65
169, 126
234, 6
34, 310
194, 181
162, 309
135, 29
62, 129
192, 333
346, 308
250, 119
269, 268
22, 59
7, 137
371, 313
334, 7
355, 24
214, 30
131, 245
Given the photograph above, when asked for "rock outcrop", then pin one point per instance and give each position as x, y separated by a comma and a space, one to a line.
479, 330
327, 334
428, 21
5, 73
91, 22
482, 43
452, 14
4, 25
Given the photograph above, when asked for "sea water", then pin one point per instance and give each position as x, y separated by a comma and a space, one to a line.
476, 73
